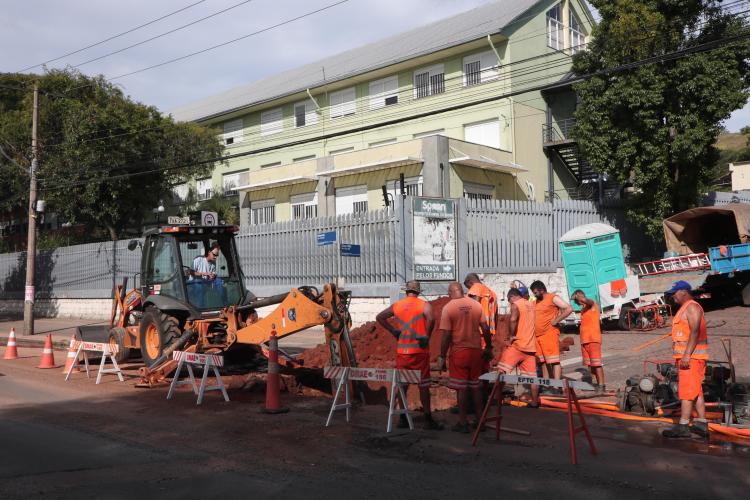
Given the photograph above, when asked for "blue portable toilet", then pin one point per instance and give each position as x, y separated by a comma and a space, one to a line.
592, 256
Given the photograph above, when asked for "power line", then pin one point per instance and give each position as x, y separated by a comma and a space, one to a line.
112, 37
160, 35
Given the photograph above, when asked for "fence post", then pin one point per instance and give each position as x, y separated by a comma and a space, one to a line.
462, 241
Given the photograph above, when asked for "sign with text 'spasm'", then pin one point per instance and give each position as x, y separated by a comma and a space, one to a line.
434, 242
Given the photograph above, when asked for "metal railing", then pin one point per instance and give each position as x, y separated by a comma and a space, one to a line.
558, 131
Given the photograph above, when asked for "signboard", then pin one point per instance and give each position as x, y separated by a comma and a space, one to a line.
175, 220
544, 382
198, 359
434, 241
350, 250
209, 218
327, 238
29, 294
373, 374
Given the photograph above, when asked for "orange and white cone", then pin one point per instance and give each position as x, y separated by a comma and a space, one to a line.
71, 357
11, 351
48, 358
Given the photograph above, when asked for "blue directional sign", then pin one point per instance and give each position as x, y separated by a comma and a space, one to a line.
349, 250
327, 238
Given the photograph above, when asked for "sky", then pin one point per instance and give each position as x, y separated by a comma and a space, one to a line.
36, 31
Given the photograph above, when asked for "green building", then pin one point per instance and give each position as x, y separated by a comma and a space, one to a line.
475, 105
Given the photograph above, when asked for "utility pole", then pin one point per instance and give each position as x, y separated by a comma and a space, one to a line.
29, 293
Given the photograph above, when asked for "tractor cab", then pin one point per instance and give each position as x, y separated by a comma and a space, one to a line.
174, 255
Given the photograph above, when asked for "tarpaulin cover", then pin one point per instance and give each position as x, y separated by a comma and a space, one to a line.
694, 230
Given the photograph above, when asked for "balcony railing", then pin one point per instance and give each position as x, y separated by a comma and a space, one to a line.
558, 131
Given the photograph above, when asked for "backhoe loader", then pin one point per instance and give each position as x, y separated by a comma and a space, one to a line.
176, 308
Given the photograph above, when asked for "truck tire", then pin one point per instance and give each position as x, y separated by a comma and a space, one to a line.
746, 295
117, 339
157, 331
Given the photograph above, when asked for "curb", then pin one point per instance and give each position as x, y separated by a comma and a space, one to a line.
57, 345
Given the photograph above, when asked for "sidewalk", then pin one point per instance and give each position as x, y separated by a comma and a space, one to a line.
61, 330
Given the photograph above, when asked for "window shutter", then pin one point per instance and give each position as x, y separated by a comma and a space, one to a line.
233, 132
271, 122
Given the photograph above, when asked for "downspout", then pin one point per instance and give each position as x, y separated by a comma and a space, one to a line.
317, 106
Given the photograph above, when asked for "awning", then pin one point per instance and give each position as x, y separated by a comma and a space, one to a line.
299, 179
369, 167
488, 164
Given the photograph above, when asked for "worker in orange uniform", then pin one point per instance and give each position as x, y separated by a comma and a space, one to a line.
460, 323
550, 310
522, 349
590, 332
690, 348
486, 298
413, 317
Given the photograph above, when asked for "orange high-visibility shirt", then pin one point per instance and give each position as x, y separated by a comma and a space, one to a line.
546, 311
410, 319
525, 339
681, 333
590, 329
488, 301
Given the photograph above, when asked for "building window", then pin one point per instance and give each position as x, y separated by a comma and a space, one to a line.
351, 200
203, 188
303, 158
384, 92
304, 114
383, 142
429, 81
272, 164
480, 68
343, 102
478, 191
419, 135
233, 132
304, 206
271, 122
577, 38
555, 28
231, 182
335, 152
263, 211
180, 192
412, 186
485, 133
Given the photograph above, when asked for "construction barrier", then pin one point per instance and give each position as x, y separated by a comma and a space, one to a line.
568, 387
209, 362
107, 350
397, 378
11, 349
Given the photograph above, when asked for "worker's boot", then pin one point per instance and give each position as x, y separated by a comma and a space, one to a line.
430, 424
700, 427
677, 431
403, 422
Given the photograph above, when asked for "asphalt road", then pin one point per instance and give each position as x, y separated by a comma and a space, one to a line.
78, 440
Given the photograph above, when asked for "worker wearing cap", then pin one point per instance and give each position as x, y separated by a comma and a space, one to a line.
590, 333
690, 348
549, 310
522, 350
414, 321
461, 321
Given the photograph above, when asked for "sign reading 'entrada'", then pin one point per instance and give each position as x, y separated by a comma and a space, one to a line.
434, 239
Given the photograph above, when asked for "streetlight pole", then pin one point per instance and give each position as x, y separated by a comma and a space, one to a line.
29, 292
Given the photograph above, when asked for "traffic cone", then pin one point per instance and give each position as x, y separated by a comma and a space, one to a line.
273, 402
11, 351
71, 358
48, 358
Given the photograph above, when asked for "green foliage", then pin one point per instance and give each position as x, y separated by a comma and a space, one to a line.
655, 126
105, 160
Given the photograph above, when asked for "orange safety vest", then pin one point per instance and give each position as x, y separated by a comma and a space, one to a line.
409, 314
488, 301
525, 339
546, 311
681, 334
590, 329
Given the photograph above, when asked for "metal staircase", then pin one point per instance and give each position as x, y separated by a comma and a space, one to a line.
557, 139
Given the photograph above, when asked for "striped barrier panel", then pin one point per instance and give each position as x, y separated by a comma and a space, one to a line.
397, 378
108, 351
209, 362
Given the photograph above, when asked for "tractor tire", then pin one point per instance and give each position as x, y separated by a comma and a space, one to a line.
158, 330
117, 339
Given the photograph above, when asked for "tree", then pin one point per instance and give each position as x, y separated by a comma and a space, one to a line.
655, 126
105, 160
